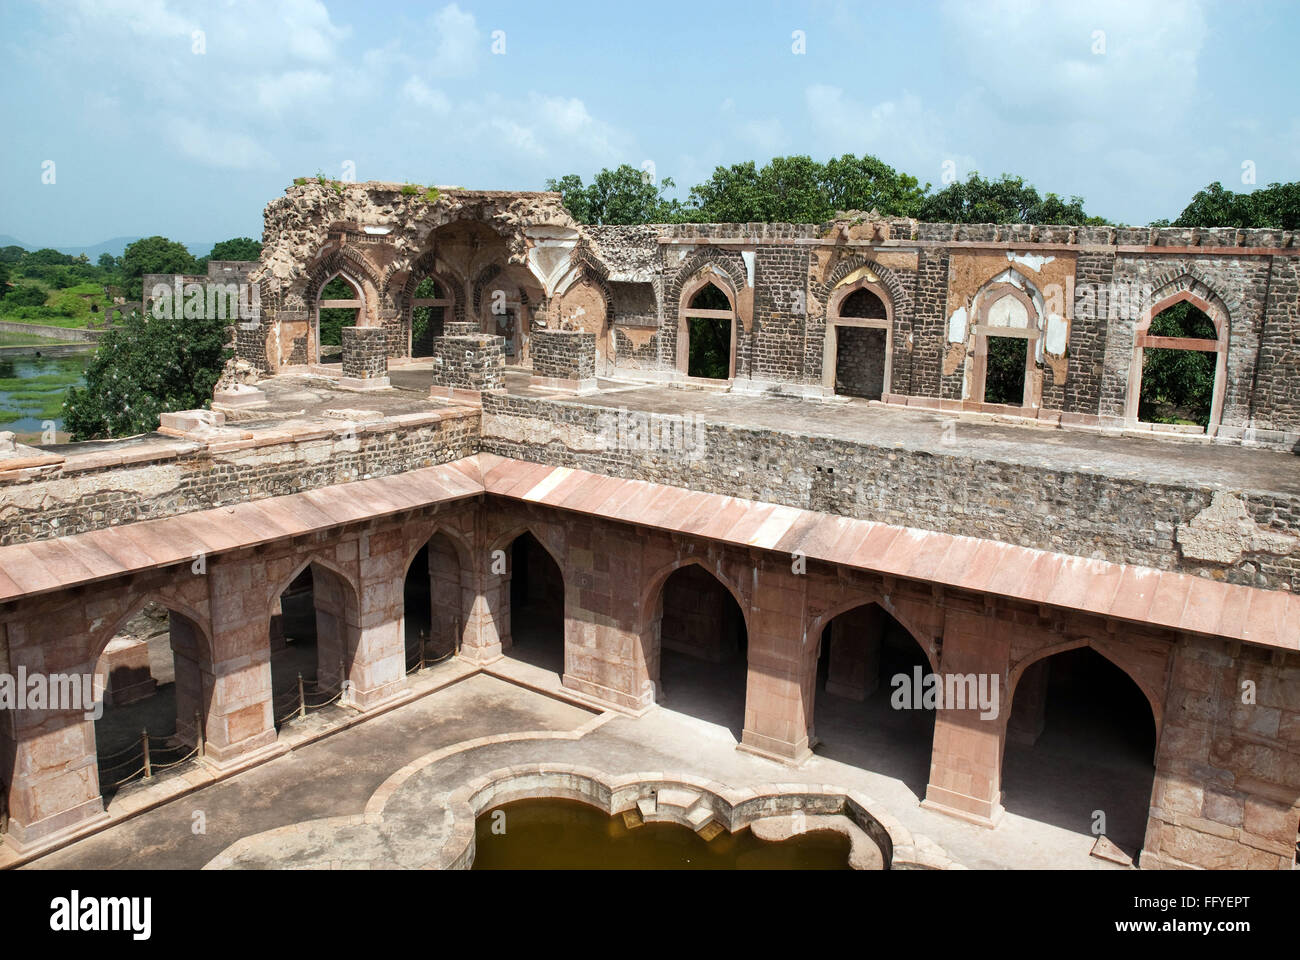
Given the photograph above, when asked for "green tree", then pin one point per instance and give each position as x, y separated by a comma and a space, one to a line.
25, 295
48, 256
153, 255
240, 248
4, 278
1276, 206
1007, 199
12, 253
144, 367
107, 261
624, 195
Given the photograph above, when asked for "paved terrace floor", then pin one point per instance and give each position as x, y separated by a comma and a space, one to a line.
1178, 462
336, 777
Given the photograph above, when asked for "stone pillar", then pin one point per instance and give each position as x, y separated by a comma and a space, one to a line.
610, 649
966, 758
446, 600
855, 653
564, 358
1227, 782
466, 367
240, 717
365, 358
335, 624
782, 668
377, 669
486, 632
1029, 706
49, 763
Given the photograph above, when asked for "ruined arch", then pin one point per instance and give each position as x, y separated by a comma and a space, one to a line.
1185, 287
984, 327
583, 301
853, 335
704, 278
533, 594
1154, 699
695, 642
439, 589
899, 300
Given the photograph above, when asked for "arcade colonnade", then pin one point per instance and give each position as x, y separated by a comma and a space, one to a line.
613, 581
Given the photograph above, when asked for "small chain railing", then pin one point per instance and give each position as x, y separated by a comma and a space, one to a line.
309, 695
417, 652
150, 755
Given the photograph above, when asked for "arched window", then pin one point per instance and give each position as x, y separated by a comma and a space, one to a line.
338, 305
1179, 366
859, 341
707, 333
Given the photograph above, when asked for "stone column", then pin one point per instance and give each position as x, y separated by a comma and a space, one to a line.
782, 668
609, 646
486, 633
365, 358
966, 758
377, 670
855, 653
49, 763
240, 716
466, 367
446, 597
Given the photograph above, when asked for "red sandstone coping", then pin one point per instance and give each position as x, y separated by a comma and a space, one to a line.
1165, 599
1176, 601
48, 565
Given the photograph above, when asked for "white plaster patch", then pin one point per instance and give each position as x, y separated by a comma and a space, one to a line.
1033, 261
748, 257
1058, 335
1224, 531
957, 326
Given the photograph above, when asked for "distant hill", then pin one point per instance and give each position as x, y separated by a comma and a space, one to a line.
116, 246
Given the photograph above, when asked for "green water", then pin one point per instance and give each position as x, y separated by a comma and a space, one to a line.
32, 389
567, 835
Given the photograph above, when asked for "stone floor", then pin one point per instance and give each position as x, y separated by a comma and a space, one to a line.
487, 722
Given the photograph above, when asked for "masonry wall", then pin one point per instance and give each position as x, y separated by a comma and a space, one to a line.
1121, 519
94, 491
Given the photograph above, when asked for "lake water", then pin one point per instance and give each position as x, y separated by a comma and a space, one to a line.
32, 389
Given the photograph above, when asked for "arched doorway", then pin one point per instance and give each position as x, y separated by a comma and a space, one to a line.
703, 646
859, 339
536, 605
430, 308
433, 603
1080, 748
706, 335
1178, 359
864, 714
338, 305
1005, 366
314, 630
154, 678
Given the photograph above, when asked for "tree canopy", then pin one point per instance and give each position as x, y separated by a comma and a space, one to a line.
621, 196
153, 255
239, 248
1276, 206
144, 367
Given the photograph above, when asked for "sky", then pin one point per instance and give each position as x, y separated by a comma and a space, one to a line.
141, 117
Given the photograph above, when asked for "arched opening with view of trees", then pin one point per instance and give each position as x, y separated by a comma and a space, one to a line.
1179, 364
708, 325
429, 311
338, 306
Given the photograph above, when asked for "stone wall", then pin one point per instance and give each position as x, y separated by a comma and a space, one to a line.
93, 491
1087, 514
476, 362
564, 355
860, 362
365, 353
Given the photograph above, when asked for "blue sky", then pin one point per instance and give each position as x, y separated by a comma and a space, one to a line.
148, 136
